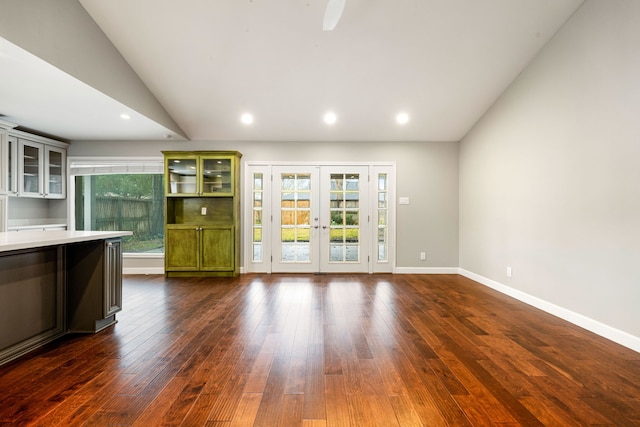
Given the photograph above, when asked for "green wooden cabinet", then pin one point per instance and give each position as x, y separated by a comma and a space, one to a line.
182, 243
217, 249
204, 174
202, 213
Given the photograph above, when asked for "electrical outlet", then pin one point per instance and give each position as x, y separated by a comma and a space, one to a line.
423, 256
203, 210
508, 271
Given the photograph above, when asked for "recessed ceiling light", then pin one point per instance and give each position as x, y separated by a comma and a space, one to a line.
330, 117
402, 118
246, 118
125, 116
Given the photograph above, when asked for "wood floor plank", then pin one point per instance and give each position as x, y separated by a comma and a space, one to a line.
246, 410
199, 411
159, 411
404, 412
291, 414
314, 423
272, 403
336, 398
223, 408
314, 387
378, 400
324, 351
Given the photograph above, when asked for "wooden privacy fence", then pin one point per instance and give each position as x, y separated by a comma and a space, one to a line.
142, 216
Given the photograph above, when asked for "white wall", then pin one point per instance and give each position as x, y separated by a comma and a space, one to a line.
427, 173
550, 177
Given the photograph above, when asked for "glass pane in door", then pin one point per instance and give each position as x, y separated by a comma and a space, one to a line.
383, 211
216, 176
344, 211
182, 176
295, 218
258, 192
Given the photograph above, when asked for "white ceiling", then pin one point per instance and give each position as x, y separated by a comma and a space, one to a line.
42, 98
444, 62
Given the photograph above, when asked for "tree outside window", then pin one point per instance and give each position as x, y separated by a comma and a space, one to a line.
130, 202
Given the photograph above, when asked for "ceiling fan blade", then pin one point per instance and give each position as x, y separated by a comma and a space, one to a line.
332, 14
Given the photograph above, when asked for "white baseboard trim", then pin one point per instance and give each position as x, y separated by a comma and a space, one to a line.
613, 334
146, 270
151, 270
426, 270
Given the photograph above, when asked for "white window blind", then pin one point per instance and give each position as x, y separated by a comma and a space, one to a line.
115, 165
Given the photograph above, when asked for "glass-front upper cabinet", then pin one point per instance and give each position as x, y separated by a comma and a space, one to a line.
199, 175
41, 170
181, 172
12, 165
217, 173
30, 163
55, 172
3, 162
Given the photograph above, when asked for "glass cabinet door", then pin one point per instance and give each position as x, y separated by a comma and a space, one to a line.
31, 162
12, 165
3, 163
182, 172
217, 175
55, 172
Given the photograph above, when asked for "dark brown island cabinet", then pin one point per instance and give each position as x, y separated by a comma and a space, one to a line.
56, 282
202, 213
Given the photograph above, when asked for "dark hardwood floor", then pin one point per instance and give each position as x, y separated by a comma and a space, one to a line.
324, 350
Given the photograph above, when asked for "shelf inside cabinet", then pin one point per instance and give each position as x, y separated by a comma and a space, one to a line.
189, 210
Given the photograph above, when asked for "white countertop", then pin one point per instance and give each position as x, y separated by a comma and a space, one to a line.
12, 240
25, 223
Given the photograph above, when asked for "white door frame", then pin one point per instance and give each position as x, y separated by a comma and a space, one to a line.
263, 264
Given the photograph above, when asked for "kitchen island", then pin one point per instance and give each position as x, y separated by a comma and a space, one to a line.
57, 282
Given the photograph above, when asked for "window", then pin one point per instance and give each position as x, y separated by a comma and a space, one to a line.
257, 192
121, 195
383, 217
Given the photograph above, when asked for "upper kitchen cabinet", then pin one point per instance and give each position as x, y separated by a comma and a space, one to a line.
3, 162
41, 169
33, 181
8, 163
200, 174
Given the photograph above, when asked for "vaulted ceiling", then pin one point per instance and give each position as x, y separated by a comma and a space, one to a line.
443, 62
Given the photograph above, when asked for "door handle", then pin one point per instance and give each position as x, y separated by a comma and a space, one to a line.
324, 226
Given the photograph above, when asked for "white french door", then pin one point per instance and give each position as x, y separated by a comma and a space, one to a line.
319, 219
295, 224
